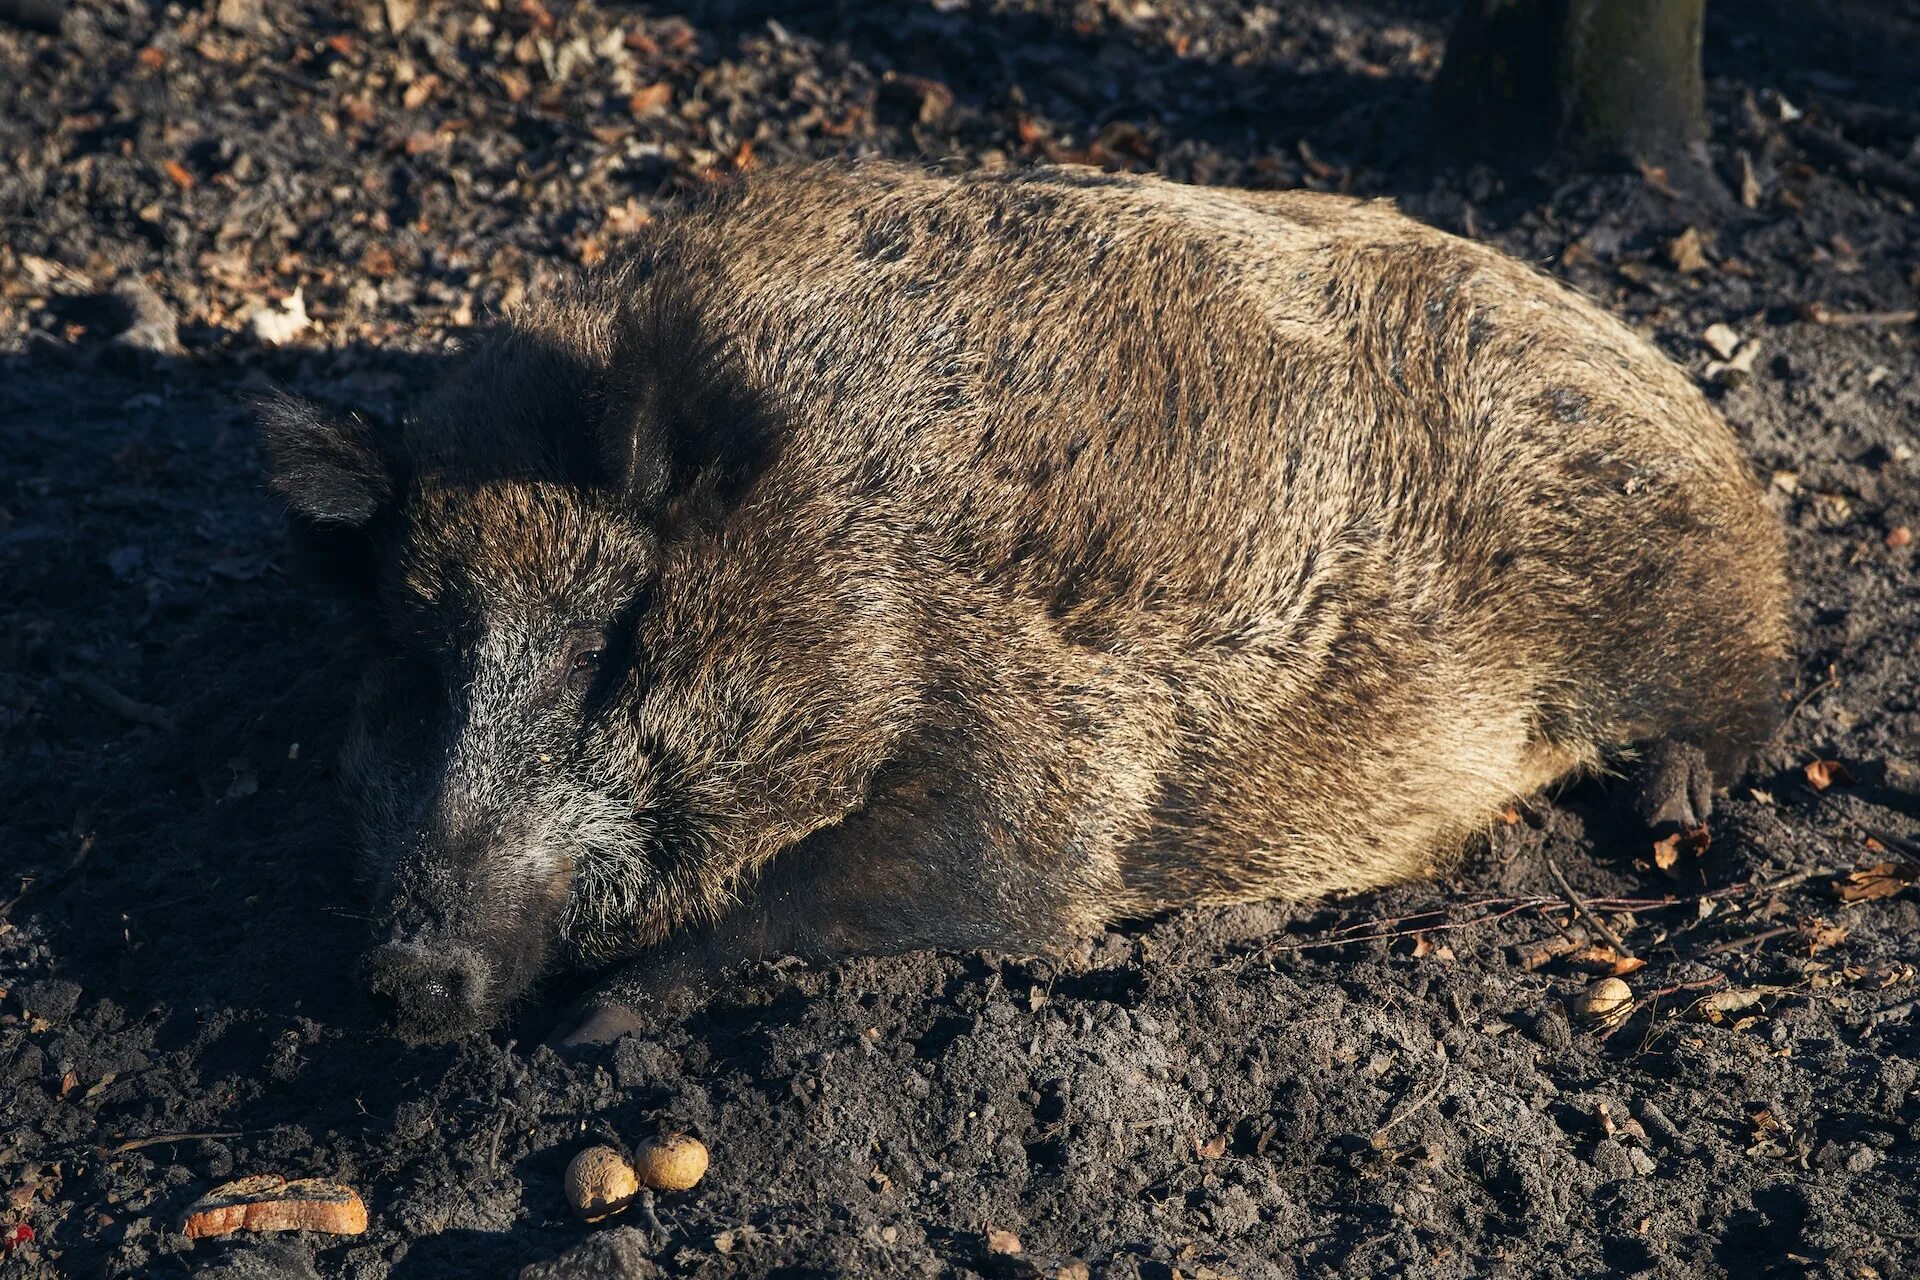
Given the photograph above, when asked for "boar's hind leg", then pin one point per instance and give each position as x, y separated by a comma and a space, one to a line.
923, 865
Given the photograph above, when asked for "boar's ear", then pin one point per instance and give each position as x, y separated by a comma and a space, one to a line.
332, 471
681, 434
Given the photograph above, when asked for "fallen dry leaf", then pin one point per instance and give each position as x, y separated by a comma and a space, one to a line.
1899, 536
650, 98
1822, 774
178, 175
1687, 252
268, 1202
1213, 1148
275, 324
1820, 935
1605, 961
1693, 841
1882, 880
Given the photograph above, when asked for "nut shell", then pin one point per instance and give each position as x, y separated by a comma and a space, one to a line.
673, 1163
1607, 1001
600, 1183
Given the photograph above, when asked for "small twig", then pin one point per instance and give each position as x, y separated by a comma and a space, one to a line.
1534, 955
161, 1139
1356, 939
1819, 313
493, 1148
1858, 161
1893, 1011
1749, 940
1774, 886
1386, 929
1651, 1002
1379, 1135
1898, 844
1598, 925
108, 698
1831, 682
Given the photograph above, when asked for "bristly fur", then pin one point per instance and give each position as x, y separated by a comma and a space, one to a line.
980, 560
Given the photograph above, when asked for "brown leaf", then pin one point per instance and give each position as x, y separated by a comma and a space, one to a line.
1882, 880
513, 84
1213, 1148
1604, 960
1687, 253
1000, 1240
1822, 774
151, 58
1821, 935
1899, 536
650, 98
420, 91
1693, 841
177, 172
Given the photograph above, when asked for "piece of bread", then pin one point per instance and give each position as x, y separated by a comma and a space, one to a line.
268, 1202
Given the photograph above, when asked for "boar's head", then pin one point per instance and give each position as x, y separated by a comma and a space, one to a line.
595, 700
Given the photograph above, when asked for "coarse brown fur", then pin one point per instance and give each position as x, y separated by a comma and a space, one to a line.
981, 560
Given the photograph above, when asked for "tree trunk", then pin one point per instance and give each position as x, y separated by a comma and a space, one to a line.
1596, 80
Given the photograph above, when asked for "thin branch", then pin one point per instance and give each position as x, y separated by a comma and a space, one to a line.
108, 698
1379, 1135
1598, 925
161, 1139
1748, 940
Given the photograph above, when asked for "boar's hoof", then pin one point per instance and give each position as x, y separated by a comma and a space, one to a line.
1671, 787
597, 1024
429, 993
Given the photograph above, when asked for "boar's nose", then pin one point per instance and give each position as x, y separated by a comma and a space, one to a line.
430, 993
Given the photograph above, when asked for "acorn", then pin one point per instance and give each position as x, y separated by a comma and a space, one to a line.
600, 1183
672, 1163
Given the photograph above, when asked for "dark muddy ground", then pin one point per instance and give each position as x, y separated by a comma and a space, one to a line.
1210, 1094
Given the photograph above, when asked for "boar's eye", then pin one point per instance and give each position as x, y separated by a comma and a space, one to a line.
584, 656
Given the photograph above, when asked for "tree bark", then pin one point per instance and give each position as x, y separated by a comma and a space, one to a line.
1595, 80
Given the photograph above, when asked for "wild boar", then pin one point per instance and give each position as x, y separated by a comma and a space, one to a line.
870, 560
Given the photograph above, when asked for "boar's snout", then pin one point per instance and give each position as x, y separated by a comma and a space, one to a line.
429, 992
